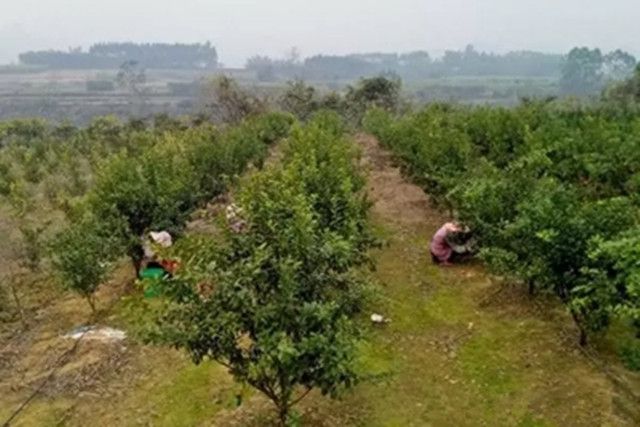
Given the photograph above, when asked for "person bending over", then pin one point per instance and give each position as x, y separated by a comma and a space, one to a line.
444, 250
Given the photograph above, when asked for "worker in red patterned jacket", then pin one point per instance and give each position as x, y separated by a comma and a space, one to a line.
443, 250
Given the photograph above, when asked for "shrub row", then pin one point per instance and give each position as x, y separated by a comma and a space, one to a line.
274, 299
154, 187
552, 195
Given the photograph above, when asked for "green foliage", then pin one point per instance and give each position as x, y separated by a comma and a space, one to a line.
32, 246
152, 190
586, 71
274, 301
305, 102
82, 255
582, 72
630, 355
128, 178
272, 127
438, 153
225, 101
486, 198
549, 194
23, 131
627, 91
380, 92
160, 187
19, 198
614, 275
134, 175
299, 99
550, 236
6, 179
323, 161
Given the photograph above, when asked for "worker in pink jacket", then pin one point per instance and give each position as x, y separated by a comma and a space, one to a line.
442, 251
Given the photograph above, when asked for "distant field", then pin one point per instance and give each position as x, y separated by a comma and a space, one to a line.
61, 82
66, 94
479, 90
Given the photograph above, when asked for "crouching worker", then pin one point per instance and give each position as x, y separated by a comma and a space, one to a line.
450, 244
152, 265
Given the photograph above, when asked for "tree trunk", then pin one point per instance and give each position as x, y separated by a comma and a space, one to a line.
18, 303
91, 303
583, 337
532, 288
283, 413
136, 264
583, 333
136, 253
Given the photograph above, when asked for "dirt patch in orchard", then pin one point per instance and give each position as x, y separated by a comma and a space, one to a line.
395, 200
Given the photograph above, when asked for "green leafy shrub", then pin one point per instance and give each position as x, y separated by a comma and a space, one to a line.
82, 255
630, 355
548, 193
153, 190
274, 302
375, 92
299, 99
181, 169
6, 179
614, 275
433, 152
271, 127
140, 175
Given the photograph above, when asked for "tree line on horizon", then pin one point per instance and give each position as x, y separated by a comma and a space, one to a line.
409, 66
581, 71
113, 55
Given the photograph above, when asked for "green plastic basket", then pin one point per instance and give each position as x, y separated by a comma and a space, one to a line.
153, 277
152, 273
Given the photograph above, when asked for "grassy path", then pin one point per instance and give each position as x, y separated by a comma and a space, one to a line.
457, 353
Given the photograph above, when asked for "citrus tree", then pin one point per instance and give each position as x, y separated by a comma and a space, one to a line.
275, 302
83, 255
549, 192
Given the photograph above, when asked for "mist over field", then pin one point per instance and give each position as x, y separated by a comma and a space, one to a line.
243, 28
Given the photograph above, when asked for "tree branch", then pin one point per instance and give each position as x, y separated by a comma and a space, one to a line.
302, 396
225, 364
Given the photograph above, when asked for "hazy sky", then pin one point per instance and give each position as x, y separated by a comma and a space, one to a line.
241, 28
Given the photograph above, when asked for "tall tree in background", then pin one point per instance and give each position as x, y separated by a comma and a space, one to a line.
380, 92
618, 65
299, 99
582, 73
263, 66
131, 77
627, 91
587, 71
224, 101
